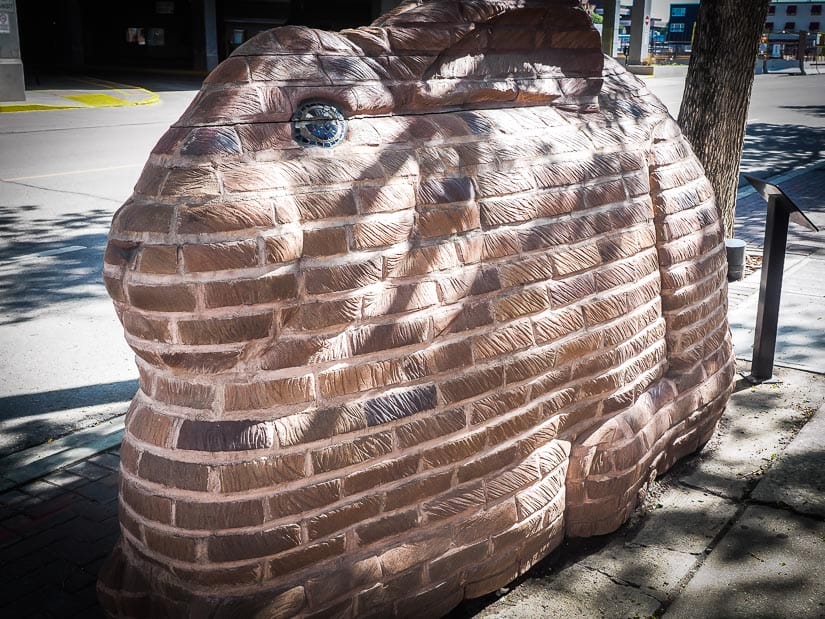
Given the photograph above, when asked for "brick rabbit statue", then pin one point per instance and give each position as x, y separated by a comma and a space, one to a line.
410, 303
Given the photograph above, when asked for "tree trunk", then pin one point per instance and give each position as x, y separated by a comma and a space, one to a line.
718, 91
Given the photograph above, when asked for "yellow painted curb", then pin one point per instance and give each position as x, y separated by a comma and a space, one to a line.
90, 100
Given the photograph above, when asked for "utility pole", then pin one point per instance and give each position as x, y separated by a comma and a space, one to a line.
12, 80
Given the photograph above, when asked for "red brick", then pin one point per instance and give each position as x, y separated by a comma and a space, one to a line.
319, 424
345, 277
266, 289
172, 546
147, 505
304, 499
352, 452
457, 560
224, 577
461, 500
455, 450
389, 230
471, 384
215, 516
480, 467
506, 340
173, 473
161, 259
145, 217
282, 248
343, 517
326, 204
268, 393
225, 330
396, 524
145, 328
312, 554
220, 256
342, 582
150, 427
227, 217
262, 473
385, 199
325, 242
312, 316
380, 474
191, 182
430, 428
184, 393
214, 436
242, 546
417, 491
376, 338
442, 222
200, 363
163, 298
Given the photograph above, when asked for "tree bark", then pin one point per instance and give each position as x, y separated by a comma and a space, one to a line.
718, 90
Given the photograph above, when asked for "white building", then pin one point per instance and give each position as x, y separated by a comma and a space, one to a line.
792, 16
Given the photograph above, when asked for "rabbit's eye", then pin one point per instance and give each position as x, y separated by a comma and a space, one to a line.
318, 124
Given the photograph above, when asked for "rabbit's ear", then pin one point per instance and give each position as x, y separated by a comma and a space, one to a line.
531, 56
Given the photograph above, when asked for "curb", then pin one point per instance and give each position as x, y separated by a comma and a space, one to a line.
87, 100
747, 190
36, 462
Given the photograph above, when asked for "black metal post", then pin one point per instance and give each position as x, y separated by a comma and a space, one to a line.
770, 288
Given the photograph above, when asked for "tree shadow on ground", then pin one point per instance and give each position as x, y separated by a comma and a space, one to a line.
39, 269
772, 149
35, 418
810, 110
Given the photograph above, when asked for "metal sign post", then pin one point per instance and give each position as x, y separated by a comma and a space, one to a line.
781, 211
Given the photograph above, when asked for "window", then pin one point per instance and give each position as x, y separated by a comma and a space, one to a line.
677, 11
790, 25
813, 26
677, 27
816, 9
768, 26
791, 9
771, 10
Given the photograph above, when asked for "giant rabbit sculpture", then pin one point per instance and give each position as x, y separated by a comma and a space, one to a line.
411, 303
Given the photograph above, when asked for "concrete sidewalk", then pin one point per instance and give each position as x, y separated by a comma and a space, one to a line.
737, 530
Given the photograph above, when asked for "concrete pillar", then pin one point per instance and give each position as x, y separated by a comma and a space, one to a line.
639, 31
610, 27
12, 81
210, 32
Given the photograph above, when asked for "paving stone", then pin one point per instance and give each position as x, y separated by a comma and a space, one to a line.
758, 423
687, 521
655, 571
573, 592
65, 479
797, 478
89, 470
768, 565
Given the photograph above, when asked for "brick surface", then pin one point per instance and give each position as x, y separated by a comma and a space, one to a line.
358, 361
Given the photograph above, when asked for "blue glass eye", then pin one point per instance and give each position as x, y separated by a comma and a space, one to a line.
318, 124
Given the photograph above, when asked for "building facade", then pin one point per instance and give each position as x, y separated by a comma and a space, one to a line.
793, 16
166, 34
681, 24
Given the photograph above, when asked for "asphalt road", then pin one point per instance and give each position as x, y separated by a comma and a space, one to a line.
64, 364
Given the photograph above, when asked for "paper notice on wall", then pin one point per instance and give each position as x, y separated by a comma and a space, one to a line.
7, 6
5, 23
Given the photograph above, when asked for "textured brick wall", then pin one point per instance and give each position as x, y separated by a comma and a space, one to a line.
382, 377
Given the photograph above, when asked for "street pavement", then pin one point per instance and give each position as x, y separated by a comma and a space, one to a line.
737, 530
